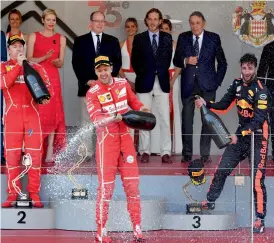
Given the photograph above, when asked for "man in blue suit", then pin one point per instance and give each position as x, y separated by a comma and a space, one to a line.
3, 58
196, 53
151, 57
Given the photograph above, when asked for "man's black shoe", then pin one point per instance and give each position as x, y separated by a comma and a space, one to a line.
186, 159
206, 159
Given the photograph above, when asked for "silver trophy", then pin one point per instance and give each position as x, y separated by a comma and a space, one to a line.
195, 206
79, 192
23, 201
197, 177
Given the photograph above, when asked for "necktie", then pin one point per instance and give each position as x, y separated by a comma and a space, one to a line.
196, 46
98, 45
154, 44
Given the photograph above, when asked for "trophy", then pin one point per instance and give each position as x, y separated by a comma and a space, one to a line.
197, 177
23, 200
79, 192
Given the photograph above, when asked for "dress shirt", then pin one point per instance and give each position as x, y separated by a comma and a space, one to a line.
94, 37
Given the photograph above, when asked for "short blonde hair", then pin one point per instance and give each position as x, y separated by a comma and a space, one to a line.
47, 12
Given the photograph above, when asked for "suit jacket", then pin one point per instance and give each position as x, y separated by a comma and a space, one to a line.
266, 67
3, 46
83, 56
204, 72
146, 65
3, 58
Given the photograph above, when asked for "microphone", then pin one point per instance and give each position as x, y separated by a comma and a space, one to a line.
54, 41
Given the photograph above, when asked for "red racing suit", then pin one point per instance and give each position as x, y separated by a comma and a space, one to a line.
22, 124
115, 147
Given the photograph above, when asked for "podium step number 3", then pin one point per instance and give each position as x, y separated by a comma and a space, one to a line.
205, 221
25, 218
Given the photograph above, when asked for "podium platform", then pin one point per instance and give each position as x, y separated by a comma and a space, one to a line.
27, 218
208, 220
80, 214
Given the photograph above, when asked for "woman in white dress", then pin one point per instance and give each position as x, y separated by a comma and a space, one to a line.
175, 103
15, 21
126, 71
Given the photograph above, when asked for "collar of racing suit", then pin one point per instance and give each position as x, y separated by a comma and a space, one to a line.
107, 86
12, 62
252, 81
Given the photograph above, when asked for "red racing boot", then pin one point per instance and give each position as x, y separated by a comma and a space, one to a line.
36, 201
10, 201
138, 236
102, 236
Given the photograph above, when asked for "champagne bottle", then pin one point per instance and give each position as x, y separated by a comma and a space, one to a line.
139, 120
35, 83
216, 127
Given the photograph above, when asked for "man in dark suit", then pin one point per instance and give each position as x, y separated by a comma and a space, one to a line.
151, 57
196, 53
266, 74
86, 48
3, 58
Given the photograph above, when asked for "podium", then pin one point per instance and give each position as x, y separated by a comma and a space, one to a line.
80, 214
27, 218
208, 220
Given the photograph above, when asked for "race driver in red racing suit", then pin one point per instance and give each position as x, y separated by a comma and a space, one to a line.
252, 100
108, 99
22, 123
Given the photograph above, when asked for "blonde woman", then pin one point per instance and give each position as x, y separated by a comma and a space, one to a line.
48, 48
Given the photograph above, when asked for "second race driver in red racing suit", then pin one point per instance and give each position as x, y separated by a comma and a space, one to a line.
252, 101
108, 99
22, 123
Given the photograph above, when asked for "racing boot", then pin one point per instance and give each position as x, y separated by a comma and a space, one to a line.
102, 236
36, 201
11, 199
258, 226
138, 236
206, 205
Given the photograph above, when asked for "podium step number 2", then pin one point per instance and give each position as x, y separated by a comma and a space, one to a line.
25, 218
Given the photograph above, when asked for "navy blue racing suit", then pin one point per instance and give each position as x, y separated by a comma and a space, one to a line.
252, 101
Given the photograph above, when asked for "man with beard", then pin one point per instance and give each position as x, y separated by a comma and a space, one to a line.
151, 57
252, 101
